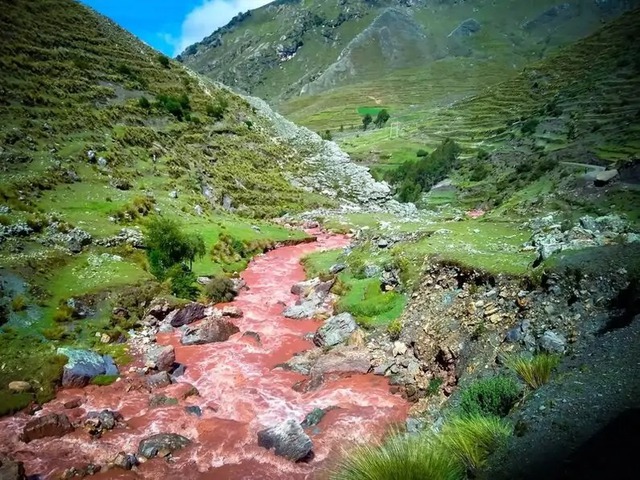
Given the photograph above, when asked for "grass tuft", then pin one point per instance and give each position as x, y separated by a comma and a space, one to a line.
535, 371
492, 397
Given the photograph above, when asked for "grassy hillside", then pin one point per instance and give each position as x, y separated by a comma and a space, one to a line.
98, 132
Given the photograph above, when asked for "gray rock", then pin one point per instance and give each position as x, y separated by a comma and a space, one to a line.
102, 162
211, 330
173, 194
158, 380
371, 271
193, 410
302, 310
189, 314
83, 365
125, 461
287, 439
337, 268
227, 202
335, 330
553, 342
414, 425
155, 444
11, 470
383, 243
198, 210
160, 357
91, 155
466, 28
313, 418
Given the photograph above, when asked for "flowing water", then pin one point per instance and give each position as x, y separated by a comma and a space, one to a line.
240, 393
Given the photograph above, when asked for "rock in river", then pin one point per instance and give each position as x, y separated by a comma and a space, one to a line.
160, 357
51, 425
210, 331
189, 314
161, 442
11, 470
335, 330
287, 439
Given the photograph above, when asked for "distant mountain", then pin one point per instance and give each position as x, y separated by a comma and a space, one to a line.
293, 47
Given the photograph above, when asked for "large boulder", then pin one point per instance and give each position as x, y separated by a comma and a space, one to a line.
335, 330
83, 365
288, 439
189, 314
51, 425
11, 470
158, 380
160, 357
209, 331
342, 360
161, 443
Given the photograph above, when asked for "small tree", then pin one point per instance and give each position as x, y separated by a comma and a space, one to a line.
366, 121
144, 103
164, 60
168, 246
327, 135
382, 118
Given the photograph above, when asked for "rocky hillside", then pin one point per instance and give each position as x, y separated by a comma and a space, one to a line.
289, 48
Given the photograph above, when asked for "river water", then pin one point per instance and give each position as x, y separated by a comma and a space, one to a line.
240, 393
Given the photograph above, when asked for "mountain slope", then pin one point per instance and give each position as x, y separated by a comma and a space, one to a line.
289, 48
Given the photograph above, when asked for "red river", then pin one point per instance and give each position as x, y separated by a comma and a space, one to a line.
240, 394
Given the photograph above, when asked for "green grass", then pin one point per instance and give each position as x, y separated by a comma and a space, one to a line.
535, 371
492, 397
373, 111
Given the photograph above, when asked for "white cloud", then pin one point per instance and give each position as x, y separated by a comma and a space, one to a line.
203, 20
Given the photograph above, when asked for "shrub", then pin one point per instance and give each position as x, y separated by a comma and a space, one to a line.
327, 135
472, 439
19, 303
168, 245
394, 329
535, 371
434, 385
219, 290
422, 153
182, 282
13, 402
5, 220
366, 121
124, 70
163, 60
414, 457
494, 396
529, 126
479, 172
144, 103
382, 118
104, 380
63, 314
56, 333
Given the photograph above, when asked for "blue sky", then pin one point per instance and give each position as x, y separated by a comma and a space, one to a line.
172, 25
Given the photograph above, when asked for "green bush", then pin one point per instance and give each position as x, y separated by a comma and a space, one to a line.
422, 153
217, 109
5, 220
163, 60
219, 290
473, 438
63, 314
168, 245
535, 371
19, 303
415, 457
394, 329
529, 126
13, 402
144, 103
493, 396
183, 282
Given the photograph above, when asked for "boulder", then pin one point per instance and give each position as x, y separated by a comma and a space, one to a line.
301, 310
337, 268
11, 470
20, 386
231, 311
466, 28
193, 410
211, 330
155, 444
335, 330
51, 425
158, 380
371, 271
125, 461
288, 440
83, 365
160, 357
553, 342
605, 177
342, 360
97, 423
189, 314
313, 418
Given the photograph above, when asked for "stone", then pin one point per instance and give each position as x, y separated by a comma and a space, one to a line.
335, 330
11, 470
337, 268
189, 314
173, 194
232, 311
255, 336
83, 365
211, 330
371, 271
302, 310
287, 439
91, 155
342, 360
399, 349
153, 445
553, 342
158, 380
383, 243
71, 404
193, 410
605, 177
125, 461
160, 357
50, 425
313, 418
227, 202
102, 162
20, 386
466, 29
97, 423
198, 210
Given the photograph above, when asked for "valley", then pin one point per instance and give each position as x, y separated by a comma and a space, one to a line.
211, 267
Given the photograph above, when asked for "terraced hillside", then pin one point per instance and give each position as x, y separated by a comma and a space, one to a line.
319, 60
581, 104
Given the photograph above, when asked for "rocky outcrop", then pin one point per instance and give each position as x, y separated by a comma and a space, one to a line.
161, 444
466, 29
211, 330
97, 423
158, 380
315, 299
83, 365
335, 330
287, 439
50, 425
